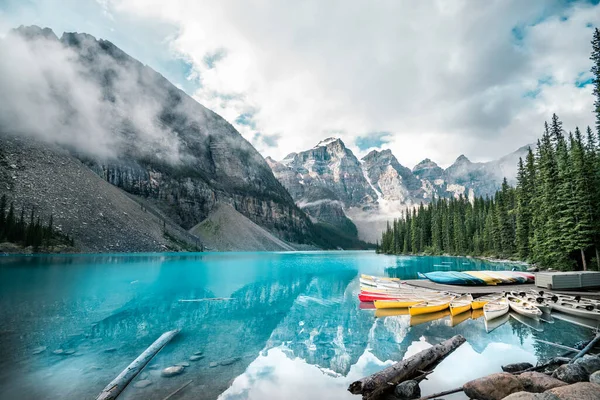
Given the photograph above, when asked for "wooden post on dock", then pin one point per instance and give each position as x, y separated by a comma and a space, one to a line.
114, 388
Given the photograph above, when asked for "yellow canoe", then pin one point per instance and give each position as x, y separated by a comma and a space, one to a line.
484, 276
430, 306
461, 304
422, 318
399, 303
390, 312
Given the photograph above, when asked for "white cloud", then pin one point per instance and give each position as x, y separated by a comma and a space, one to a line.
444, 78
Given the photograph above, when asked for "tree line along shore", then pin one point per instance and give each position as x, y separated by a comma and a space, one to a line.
551, 217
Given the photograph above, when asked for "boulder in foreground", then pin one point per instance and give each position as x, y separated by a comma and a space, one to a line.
493, 387
577, 391
571, 373
537, 382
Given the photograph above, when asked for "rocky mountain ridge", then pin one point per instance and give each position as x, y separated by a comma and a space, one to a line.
138, 132
330, 183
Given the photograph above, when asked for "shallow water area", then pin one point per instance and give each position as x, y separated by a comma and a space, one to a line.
278, 325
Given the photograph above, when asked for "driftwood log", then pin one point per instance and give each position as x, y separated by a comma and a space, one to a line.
114, 388
558, 346
587, 348
372, 387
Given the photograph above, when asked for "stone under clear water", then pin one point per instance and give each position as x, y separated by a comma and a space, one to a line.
287, 325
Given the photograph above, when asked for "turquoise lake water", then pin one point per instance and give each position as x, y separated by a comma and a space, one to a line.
291, 326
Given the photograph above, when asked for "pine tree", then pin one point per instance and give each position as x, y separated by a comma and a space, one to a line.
523, 212
10, 223
582, 203
2, 216
592, 157
595, 57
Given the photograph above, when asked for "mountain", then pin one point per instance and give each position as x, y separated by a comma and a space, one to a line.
136, 131
333, 186
323, 180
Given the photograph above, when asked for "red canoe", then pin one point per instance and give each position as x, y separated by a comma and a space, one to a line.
367, 297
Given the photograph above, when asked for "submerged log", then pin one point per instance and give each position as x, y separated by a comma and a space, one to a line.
587, 348
372, 387
558, 346
114, 388
178, 390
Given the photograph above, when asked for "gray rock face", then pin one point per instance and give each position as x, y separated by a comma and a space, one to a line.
393, 180
577, 391
516, 367
408, 390
331, 165
595, 378
571, 373
324, 180
99, 216
531, 396
537, 382
493, 387
589, 362
428, 169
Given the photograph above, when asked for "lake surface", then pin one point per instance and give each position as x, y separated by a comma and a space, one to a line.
290, 327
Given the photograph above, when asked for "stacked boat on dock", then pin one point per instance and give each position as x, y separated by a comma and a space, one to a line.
390, 296
478, 278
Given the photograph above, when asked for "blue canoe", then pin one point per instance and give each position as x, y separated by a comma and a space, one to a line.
452, 278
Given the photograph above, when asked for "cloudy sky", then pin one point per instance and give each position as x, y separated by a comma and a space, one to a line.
424, 78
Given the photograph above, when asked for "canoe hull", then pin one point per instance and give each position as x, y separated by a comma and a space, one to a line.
524, 308
456, 310
576, 312
495, 309
427, 309
379, 304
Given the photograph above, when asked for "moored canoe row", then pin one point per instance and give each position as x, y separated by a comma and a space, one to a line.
418, 301
478, 277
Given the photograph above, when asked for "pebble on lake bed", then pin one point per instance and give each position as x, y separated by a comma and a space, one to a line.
212, 364
39, 350
58, 351
229, 361
172, 371
110, 350
196, 358
198, 353
184, 364
142, 384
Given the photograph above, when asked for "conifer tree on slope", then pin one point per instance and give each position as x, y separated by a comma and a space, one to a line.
582, 235
595, 57
592, 170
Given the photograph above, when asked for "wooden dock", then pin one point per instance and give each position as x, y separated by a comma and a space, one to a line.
478, 291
